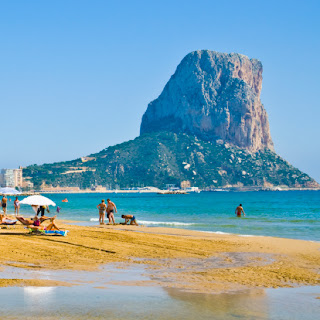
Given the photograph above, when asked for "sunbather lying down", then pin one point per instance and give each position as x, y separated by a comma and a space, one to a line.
5, 221
51, 226
28, 222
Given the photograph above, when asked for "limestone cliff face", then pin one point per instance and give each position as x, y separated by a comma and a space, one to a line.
213, 96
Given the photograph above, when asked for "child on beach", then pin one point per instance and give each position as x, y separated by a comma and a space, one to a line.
130, 217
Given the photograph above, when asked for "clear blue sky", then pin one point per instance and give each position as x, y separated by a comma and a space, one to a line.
77, 76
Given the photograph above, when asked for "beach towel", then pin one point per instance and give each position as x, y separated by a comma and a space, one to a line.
57, 232
49, 232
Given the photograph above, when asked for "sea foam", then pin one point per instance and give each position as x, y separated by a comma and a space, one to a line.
167, 223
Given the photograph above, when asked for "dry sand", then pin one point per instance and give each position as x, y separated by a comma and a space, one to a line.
190, 260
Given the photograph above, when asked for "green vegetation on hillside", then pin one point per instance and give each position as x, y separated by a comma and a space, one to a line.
157, 159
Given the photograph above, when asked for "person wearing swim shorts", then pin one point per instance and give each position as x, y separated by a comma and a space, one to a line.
129, 217
4, 204
102, 210
239, 211
111, 207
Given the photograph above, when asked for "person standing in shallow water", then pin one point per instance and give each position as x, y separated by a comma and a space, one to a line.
239, 211
110, 209
102, 211
4, 204
16, 206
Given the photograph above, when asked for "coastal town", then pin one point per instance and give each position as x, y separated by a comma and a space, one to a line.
14, 178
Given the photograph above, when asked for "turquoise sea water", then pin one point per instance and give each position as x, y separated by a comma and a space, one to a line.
288, 214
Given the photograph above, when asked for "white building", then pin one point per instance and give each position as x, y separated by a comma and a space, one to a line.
11, 178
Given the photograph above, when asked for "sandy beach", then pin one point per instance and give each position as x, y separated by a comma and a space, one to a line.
175, 258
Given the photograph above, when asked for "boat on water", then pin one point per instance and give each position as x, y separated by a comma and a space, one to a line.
172, 192
192, 189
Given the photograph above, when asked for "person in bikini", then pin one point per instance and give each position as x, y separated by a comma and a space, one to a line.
102, 210
16, 206
130, 217
239, 211
36, 225
111, 207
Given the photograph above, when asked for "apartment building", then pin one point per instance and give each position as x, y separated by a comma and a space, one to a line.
11, 178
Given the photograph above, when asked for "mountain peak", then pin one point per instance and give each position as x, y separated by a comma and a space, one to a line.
215, 96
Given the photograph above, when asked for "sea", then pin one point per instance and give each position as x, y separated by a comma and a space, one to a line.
286, 214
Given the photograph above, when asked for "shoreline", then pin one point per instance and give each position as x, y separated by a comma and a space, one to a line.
157, 192
189, 260
179, 225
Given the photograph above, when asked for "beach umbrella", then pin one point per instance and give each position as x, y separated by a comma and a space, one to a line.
37, 201
9, 191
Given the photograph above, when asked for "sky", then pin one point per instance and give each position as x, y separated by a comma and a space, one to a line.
76, 76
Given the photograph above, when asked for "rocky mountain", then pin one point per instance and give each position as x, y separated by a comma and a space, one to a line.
208, 127
215, 96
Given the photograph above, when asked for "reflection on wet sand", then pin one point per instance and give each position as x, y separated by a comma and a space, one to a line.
246, 304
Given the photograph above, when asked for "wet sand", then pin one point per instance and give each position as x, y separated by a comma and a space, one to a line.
174, 258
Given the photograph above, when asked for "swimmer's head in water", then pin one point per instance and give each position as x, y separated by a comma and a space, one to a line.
240, 205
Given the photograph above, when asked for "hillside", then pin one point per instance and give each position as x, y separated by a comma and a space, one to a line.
157, 159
